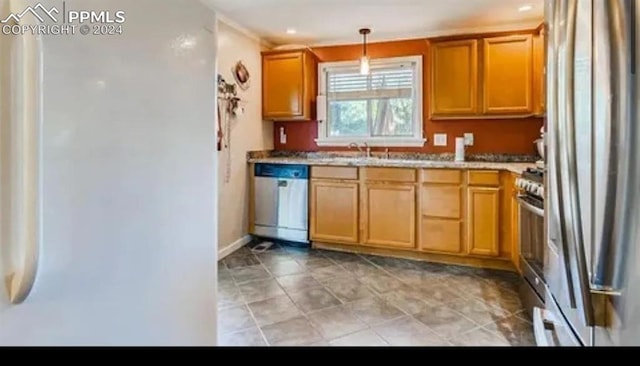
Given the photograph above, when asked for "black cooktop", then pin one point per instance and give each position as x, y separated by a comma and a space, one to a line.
534, 174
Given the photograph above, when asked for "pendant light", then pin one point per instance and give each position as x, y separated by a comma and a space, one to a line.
364, 60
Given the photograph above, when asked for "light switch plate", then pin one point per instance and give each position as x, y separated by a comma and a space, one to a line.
468, 139
440, 139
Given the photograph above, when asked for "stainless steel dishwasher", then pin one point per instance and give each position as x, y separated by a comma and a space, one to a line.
281, 202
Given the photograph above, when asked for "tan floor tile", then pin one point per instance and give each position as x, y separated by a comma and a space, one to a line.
409, 332
246, 338
336, 322
479, 338
365, 338
293, 332
313, 299
260, 290
231, 320
274, 310
374, 310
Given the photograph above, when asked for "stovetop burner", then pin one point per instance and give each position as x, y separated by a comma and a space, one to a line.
534, 174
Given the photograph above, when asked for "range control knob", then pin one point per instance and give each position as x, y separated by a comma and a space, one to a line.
533, 189
518, 183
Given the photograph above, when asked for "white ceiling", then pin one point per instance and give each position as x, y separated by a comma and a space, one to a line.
337, 21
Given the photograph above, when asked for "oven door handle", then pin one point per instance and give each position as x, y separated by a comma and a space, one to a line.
529, 207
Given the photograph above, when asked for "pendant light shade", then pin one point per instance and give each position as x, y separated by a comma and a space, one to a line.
364, 60
364, 65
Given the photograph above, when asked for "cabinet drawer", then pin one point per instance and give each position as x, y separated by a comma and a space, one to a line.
334, 172
441, 236
389, 174
442, 201
441, 176
484, 178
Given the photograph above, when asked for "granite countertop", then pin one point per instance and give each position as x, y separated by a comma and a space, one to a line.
515, 167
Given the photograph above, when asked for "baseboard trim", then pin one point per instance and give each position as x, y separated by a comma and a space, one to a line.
222, 253
493, 263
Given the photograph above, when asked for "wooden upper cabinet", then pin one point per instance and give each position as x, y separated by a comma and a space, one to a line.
389, 212
483, 218
454, 78
288, 85
508, 75
540, 73
334, 211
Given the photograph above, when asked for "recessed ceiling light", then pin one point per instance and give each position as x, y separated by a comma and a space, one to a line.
291, 31
525, 8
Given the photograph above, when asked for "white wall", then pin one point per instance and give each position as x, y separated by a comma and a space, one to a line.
249, 133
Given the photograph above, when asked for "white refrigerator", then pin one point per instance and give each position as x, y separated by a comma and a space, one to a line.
108, 176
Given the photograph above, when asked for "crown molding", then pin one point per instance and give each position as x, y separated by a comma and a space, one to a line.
221, 17
420, 34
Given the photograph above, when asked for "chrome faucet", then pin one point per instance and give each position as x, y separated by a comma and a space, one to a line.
367, 149
366, 146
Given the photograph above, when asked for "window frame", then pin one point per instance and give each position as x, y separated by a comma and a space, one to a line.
416, 140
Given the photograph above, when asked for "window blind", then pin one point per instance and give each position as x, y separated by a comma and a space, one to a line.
391, 81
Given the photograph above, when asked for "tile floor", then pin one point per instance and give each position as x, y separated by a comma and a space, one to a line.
297, 297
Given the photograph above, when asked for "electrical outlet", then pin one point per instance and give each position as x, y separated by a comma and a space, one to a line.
440, 139
468, 139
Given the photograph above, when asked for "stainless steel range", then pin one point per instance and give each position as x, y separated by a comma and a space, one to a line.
531, 239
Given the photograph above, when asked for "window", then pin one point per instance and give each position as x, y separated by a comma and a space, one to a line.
383, 108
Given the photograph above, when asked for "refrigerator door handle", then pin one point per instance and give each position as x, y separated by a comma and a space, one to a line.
23, 236
573, 212
556, 84
608, 266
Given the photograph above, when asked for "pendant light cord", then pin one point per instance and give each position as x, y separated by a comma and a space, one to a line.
364, 32
365, 44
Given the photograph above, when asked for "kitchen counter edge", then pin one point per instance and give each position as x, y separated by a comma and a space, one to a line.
517, 168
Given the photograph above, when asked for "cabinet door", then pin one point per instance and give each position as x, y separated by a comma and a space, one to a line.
508, 76
390, 215
483, 216
539, 73
441, 235
441, 201
454, 78
441, 226
334, 212
283, 85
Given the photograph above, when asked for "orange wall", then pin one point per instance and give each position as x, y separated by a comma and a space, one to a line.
513, 136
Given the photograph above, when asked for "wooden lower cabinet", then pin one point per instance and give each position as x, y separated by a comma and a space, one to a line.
441, 236
483, 220
441, 213
389, 215
453, 216
334, 211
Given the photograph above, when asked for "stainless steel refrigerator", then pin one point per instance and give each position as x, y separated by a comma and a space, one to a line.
592, 259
